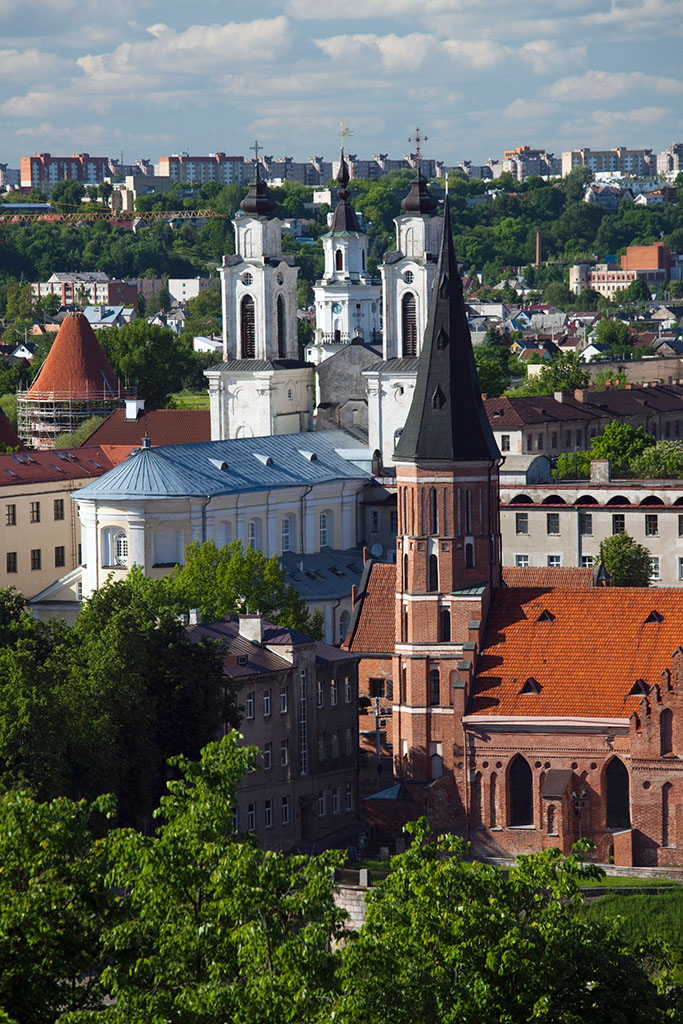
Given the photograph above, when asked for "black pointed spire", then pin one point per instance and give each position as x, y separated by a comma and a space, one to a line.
447, 421
344, 217
258, 201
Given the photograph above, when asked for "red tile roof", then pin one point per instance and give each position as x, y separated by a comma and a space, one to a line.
164, 426
76, 366
568, 579
67, 464
372, 628
586, 652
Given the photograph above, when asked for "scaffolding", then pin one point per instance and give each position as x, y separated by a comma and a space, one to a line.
42, 416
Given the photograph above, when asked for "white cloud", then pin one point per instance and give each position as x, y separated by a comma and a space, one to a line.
31, 63
527, 110
395, 52
610, 85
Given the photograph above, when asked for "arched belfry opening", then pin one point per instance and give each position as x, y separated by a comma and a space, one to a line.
408, 325
280, 325
248, 327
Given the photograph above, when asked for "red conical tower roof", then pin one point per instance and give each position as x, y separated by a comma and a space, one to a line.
76, 366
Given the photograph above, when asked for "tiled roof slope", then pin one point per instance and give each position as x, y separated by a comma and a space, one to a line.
76, 365
372, 629
585, 650
162, 426
513, 412
67, 464
569, 578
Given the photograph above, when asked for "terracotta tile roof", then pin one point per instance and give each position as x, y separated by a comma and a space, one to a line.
530, 409
567, 579
65, 464
586, 652
76, 366
164, 426
372, 628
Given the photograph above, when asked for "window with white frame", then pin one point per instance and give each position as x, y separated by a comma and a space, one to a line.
283, 700
286, 534
268, 814
320, 693
324, 524
267, 756
284, 753
680, 568
334, 693
322, 803
505, 442
554, 561
255, 533
521, 561
249, 705
654, 567
348, 801
335, 800
266, 703
347, 689
115, 547
251, 817
284, 810
587, 561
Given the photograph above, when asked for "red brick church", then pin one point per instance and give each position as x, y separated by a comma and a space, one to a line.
521, 717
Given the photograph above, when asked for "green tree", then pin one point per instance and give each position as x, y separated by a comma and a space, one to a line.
620, 443
627, 562
234, 579
575, 183
160, 300
54, 903
457, 942
80, 435
663, 460
564, 372
67, 193
614, 333
152, 357
636, 291
609, 380
558, 294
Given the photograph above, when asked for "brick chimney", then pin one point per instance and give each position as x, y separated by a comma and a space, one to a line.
251, 628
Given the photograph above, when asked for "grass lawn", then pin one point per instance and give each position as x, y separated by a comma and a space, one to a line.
190, 399
614, 881
645, 916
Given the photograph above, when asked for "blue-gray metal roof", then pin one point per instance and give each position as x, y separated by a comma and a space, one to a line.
225, 467
323, 575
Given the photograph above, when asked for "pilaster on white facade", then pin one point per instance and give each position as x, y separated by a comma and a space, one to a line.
260, 403
407, 278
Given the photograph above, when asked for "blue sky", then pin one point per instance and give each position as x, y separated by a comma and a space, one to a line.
151, 78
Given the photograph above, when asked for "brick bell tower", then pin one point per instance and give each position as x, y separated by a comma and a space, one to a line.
448, 556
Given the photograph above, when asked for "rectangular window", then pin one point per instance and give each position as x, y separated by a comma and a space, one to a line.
284, 810
284, 753
374, 521
266, 703
35, 558
619, 522
11, 561
554, 561
348, 802
286, 539
376, 687
348, 740
680, 568
323, 529
394, 522
335, 800
680, 526
522, 522
322, 803
552, 523
268, 814
59, 508
334, 693
521, 561
539, 442
34, 513
651, 525
267, 756
587, 561
568, 439
578, 438
59, 557
283, 700
553, 440
529, 442
654, 567
586, 524
235, 819
505, 442
335, 743
320, 693
11, 515
251, 817
322, 747
249, 705
347, 689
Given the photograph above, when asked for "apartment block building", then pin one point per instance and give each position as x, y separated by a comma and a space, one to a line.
654, 264
524, 161
618, 159
670, 160
181, 167
42, 170
92, 288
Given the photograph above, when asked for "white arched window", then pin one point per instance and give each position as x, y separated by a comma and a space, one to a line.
344, 620
286, 534
326, 529
115, 547
255, 533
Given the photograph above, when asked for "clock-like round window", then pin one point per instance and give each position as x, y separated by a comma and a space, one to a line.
280, 277
336, 307
408, 277
247, 279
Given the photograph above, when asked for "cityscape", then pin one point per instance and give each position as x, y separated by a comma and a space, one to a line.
341, 496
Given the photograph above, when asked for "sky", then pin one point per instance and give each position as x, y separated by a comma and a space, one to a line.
150, 78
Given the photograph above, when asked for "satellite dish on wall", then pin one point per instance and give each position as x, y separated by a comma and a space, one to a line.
376, 550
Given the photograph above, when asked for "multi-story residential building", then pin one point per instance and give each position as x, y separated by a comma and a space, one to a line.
654, 264
607, 196
670, 160
91, 288
299, 700
182, 289
627, 161
314, 172
42, 170
179, 167
524, 161
562, 523
10, 177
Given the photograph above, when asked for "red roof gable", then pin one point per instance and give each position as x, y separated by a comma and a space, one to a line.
163, 426
372, 629
76, 366
65, 464
584, 650
569, 578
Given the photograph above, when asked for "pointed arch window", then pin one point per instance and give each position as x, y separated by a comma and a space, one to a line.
338, 260
434, 687
667, 831
408, 325
433, 517
493, 816
445, 626
281, 350
405, 572
617, 795
468, 510
521, 796
469, 555
433, 582
666, 741
248, 328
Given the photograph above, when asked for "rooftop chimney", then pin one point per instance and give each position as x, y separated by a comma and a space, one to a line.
251, 628
134, 406
194, 617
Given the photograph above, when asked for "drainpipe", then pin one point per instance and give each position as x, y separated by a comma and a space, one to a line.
302, 526
204, 507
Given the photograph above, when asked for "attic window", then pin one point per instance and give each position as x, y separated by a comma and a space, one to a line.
309, 456
265, 459
639, 688
219, 464
242, 659
442, 339
438, 398
546, 616
654, 616
531, 686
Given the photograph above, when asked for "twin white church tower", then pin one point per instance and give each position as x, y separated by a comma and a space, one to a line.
262, 387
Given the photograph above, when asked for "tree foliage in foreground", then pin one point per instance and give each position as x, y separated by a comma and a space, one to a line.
627, 561
620, 443
197, 925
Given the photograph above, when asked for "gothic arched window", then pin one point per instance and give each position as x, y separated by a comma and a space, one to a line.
521, 797
281, 350
493, 817
248, 328
339, 260
433, 583
666, 740
468, 510
667, 831
433, 517
408, 325
434, 687
445, 626
405, 572
617, 795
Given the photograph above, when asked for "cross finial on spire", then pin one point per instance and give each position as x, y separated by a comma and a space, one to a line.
418, 140
257, 149
343, 133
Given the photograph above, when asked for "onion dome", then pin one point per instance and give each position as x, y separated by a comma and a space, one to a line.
419, 199
258, 202
344, 218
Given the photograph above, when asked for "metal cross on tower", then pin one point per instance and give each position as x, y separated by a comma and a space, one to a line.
257, 149
418, 139
343, 133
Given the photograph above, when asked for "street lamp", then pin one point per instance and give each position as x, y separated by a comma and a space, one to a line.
579, 803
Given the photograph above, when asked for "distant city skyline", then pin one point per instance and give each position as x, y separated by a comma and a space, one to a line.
157, 78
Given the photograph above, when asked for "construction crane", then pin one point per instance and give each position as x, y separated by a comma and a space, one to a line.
113, 216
